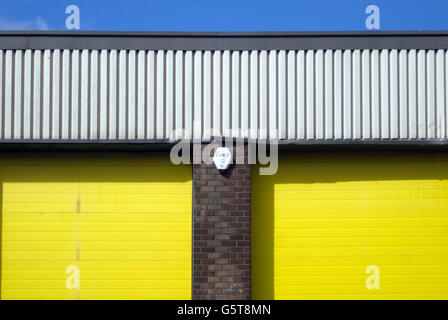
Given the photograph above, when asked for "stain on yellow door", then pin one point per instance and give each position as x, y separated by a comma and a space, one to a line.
95, 226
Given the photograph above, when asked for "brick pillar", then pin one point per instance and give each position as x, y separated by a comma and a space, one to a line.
221, 229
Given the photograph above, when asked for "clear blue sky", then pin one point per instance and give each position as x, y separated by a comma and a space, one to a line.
224, 15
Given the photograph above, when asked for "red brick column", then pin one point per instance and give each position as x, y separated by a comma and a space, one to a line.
221, 231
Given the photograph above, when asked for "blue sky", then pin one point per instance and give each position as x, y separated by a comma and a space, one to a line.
225, 15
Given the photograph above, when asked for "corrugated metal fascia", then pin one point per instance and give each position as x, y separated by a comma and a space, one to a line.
348, 95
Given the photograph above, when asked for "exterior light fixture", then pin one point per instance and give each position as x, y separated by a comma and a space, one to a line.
221, 159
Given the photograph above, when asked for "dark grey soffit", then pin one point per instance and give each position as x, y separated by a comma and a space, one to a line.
393, 142
223, 40
166, 147
164, 144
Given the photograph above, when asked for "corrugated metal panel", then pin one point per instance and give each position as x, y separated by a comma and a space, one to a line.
293, 95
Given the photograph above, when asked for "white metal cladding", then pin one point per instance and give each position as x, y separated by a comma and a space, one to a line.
305, 94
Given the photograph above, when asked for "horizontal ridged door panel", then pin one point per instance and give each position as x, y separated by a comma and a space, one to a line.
123, 221
323, 219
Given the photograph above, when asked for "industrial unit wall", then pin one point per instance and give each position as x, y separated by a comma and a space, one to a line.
351, 226
313, 230
61, 94
95, 226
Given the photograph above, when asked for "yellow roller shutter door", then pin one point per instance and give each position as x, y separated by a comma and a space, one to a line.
351, 226
103, 226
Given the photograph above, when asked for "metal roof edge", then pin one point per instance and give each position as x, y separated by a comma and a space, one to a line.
269, 40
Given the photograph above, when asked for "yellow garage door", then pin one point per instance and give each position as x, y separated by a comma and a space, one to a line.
351, 226
95, 226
